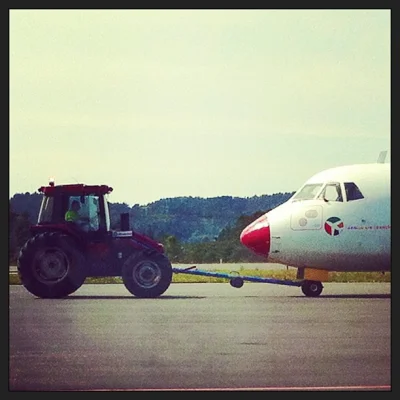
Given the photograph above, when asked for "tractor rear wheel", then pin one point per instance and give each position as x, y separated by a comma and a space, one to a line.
147, 275
49, 266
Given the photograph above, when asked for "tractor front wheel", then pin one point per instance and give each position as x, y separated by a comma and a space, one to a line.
147, 275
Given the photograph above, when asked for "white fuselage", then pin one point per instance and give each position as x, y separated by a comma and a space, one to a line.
329, 225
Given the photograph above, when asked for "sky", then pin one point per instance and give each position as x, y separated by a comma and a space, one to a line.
201, 103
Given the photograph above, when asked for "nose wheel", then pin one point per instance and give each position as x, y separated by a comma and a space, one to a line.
311, 288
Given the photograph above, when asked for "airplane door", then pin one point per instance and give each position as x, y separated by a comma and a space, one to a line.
306, 218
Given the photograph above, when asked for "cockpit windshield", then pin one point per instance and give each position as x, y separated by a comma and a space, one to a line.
308, 192
332, 192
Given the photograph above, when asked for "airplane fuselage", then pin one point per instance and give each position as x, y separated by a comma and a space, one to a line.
339, 220
333, 236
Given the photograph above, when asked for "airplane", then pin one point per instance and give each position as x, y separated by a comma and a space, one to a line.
338, 220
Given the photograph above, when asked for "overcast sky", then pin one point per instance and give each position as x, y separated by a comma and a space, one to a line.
167, 103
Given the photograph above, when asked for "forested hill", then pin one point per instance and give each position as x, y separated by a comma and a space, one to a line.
189, 219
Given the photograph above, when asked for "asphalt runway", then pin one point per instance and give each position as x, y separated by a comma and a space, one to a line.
207, 336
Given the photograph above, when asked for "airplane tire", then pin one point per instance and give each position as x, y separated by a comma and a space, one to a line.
312, 288
147, 275
49, 266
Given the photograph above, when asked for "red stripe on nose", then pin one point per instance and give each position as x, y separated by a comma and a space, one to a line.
257, 236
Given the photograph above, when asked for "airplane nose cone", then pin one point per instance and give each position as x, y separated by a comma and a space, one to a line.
257, 236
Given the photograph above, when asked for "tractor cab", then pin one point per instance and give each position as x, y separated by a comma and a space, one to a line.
78, 207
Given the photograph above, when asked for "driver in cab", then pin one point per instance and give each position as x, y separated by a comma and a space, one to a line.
72, 215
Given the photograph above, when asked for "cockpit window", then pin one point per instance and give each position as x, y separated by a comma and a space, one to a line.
352, 191
308, 192
332, 192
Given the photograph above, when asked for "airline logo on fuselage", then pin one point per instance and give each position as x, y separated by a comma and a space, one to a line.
333, 226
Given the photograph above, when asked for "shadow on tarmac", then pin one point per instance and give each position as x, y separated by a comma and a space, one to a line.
332, 296
128, 297
350, 296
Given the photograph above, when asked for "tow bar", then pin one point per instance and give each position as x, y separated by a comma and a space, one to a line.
236, 281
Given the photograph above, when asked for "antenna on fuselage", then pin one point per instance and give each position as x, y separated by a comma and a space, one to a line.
382, 157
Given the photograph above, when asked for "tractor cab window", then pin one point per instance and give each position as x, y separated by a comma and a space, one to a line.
46, 210
93, 211
106, 214
88, 211
352, 191
332, 192
308, 192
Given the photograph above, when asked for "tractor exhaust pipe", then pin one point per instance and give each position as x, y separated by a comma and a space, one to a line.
125, 222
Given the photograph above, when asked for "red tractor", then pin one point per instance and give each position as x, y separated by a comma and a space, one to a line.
63, 252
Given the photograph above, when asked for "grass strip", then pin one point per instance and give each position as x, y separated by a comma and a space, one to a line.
276, 274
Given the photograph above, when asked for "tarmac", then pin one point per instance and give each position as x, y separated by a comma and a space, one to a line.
207, 337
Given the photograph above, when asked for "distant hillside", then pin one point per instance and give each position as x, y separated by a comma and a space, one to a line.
189, 219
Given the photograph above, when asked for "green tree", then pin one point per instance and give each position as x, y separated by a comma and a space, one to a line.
18, 234
172, 248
